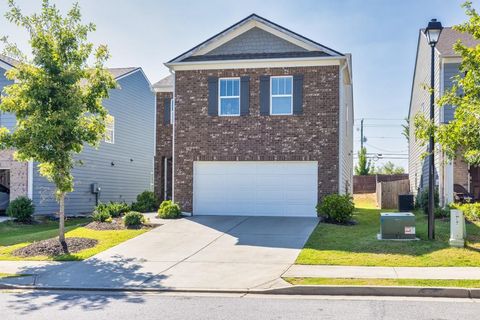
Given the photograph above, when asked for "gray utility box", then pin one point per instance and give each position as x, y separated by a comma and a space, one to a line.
397, 225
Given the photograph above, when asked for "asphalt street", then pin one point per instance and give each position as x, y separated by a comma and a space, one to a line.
110, 305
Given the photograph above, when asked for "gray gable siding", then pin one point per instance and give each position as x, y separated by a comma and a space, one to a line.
256, 40
133, 106
6, 119
450, 71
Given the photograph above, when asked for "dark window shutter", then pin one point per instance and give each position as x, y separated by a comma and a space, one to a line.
166, 111
244, 95
264, 95
212, 96
298, 94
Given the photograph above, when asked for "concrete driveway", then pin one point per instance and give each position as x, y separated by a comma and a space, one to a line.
203, 252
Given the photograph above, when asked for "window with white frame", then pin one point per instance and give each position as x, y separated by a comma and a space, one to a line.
229, 97
110, 129
281, 97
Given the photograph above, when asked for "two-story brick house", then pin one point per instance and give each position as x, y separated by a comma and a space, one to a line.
256, 120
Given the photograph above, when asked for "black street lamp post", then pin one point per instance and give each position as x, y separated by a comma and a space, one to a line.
432, 32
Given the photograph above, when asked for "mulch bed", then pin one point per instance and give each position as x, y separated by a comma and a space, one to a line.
53, 247
116, 224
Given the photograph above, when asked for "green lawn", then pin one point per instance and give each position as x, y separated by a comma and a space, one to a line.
358, 246
384, 282
14, 236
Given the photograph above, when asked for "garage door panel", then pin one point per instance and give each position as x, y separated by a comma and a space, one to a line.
269, 188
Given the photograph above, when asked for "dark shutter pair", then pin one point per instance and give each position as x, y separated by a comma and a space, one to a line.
297, 94
167, 109
213, 96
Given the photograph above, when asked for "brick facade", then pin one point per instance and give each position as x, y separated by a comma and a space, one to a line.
163, 144
18, 174
460, 172
311, 136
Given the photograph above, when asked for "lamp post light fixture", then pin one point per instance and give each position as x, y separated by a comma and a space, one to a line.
432, 32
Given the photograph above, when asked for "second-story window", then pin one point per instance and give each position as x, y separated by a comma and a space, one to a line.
281, 102
110, 129
229, 97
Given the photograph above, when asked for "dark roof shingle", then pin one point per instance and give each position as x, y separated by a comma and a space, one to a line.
449, 37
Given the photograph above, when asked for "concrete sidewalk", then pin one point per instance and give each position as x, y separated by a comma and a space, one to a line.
447, 273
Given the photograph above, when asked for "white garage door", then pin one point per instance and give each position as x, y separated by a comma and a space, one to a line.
255, 188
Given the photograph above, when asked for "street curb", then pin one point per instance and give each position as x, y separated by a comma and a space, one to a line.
447, 292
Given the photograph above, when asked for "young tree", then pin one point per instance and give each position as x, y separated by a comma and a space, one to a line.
461, 136
57, 96
390, 168
364, 166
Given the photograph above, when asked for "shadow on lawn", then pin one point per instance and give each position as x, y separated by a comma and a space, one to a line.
361, 238
116, 272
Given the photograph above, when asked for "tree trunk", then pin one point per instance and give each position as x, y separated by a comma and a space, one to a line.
61, 220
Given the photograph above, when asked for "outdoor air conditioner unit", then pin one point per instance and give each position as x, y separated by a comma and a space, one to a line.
397, 226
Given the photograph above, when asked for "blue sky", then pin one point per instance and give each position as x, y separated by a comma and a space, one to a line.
380, 34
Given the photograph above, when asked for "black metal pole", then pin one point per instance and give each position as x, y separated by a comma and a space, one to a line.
431, 163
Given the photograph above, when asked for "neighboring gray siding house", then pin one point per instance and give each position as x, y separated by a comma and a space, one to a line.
122, 166
447, 63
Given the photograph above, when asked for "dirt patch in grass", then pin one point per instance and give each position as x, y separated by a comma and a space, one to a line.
53, 247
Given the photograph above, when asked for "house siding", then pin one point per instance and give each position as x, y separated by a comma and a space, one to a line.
255, 40
133, 106
311, 136
7, 120
450, 71
420, 103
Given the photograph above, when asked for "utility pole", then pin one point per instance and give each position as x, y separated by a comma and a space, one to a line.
361, 134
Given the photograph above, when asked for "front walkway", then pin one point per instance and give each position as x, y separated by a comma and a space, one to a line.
319, 271
203, 252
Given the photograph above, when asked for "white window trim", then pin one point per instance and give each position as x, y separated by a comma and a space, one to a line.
280, 96
229, 97
113, 131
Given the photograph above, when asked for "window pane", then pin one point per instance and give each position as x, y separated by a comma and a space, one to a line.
281, 105
236, 87
229, 106
223, 87
288, 85
274, 86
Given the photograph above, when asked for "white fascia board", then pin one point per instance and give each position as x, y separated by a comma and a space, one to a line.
258, 63
163, 89
451, 59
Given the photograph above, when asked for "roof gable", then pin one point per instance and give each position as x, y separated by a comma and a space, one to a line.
244, 40
449, 37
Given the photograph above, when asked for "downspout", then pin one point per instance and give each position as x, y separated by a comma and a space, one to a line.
172, 111
340, 127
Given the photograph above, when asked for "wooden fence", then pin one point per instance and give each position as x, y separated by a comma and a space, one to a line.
368, 184
388, 192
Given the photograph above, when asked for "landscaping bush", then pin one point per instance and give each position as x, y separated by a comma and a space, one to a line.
336, 208
133, 219
102, 216
147, 201
421, 201
169, 210
471, 211
114, 209
21, 209
441, 213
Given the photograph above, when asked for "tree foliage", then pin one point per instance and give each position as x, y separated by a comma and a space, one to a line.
364, 166
461, 136
57, 96
390, 168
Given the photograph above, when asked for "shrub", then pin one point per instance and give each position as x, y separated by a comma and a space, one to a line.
471, 211
133, 219
102, 216
169, 210
114, 209
421, 201
147, 201
336, 208
442, 212
21, 209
